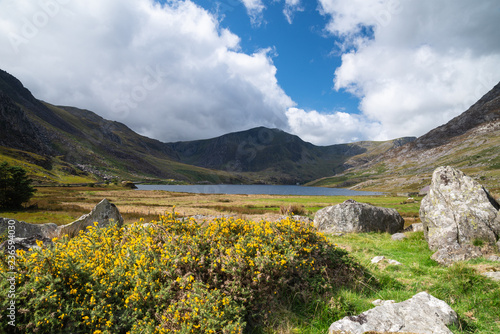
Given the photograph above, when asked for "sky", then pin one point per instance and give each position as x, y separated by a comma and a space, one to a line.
329, 71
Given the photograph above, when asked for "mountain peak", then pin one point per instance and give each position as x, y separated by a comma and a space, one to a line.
486, 109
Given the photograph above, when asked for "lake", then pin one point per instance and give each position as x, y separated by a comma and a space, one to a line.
243, 189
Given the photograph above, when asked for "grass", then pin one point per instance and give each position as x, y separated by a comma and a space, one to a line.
475, 298
62, 205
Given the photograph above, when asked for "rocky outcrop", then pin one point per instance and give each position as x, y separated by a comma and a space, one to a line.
20, 229
421, 314
104, 213
352, 216
23, 233
458, 212
26, 244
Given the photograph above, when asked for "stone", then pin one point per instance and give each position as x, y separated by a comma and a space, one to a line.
377, 259
351, 217
494, 275
103, 213
379, 302
458, 211
495, 258
421, 314
398, 236
449, 254
417, 227
26, 243
22, 229
394, 262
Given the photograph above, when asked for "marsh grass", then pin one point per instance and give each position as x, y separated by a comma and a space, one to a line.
62, 205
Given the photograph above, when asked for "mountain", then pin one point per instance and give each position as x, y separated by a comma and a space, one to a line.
66, 144
470, 141
272, 155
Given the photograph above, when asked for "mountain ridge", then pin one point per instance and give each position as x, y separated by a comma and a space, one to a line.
469, 141
62, 139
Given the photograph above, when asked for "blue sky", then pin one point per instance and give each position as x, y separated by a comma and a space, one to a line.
306, 56
329, 71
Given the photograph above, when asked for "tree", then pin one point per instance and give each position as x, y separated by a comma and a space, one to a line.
15, 186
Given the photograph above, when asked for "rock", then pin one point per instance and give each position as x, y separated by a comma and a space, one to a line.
417, 227
352, 216
377, 259
458, 211
26, 243
379, 302
103, 213
421, 314
449, 254
24, 230
129, 184
394, 262
494, 275
398, 236
493, 258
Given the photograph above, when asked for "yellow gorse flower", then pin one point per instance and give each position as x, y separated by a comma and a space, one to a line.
173, 276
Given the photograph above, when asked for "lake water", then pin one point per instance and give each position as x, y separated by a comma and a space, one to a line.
257, 190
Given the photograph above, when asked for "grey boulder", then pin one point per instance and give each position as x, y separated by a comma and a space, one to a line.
351, 216
21, 229
103, 213
421, 314
458, 211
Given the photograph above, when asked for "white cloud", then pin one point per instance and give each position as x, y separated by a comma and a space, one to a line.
168, 71
327, 129
292, 6
420, 62
255, 10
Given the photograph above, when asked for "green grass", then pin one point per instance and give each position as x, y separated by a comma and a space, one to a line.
475, 298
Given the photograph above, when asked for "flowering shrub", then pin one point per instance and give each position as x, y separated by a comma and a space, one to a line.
172, 275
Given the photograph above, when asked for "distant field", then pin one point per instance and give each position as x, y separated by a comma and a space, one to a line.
61, 205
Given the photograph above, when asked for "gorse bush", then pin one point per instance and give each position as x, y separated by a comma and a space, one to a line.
223, 276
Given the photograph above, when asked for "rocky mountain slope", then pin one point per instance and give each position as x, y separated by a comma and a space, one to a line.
274, 155
470, 142
67, 144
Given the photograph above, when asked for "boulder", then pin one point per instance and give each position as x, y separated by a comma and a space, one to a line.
352, 216
458, 211
449, 254
21, 229
25, 243
417, 227
421, 314
103, 213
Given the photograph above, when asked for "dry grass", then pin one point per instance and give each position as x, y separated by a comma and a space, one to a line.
62, 205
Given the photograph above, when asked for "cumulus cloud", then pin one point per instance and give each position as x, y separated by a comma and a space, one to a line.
415, 64
336, 127
168, 71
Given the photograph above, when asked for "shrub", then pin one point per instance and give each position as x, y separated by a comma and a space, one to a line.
173, 276
293, 209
